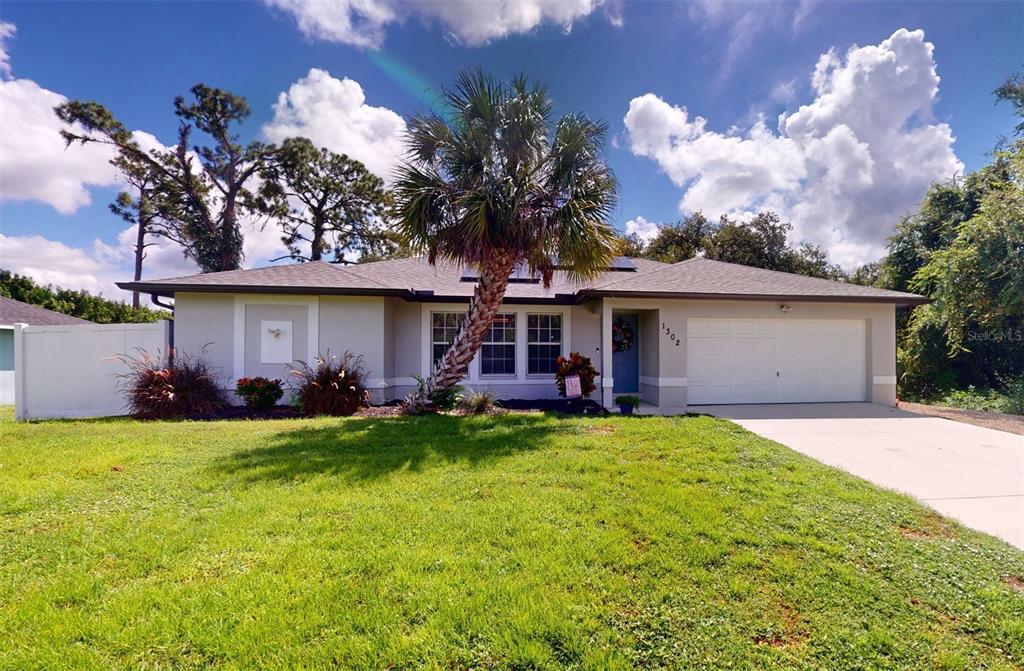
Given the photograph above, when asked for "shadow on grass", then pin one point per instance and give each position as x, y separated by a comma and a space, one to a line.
370, 448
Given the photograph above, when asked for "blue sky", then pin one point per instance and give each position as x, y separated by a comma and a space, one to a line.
880, 121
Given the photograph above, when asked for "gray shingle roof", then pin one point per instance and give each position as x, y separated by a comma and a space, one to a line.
445, 280
415, 278
16, 312
317, 274
704, 278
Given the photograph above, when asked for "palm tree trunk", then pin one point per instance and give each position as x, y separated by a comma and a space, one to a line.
487, 297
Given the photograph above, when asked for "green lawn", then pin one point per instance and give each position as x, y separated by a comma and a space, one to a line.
508, 542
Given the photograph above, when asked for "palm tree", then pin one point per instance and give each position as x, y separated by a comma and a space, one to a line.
493, 185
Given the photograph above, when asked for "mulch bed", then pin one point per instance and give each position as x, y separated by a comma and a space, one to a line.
394, 409
244, 412
574, 406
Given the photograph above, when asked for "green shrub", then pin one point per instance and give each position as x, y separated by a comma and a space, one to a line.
1014, 388
331, 386
259, 393
576, 364
446, 399
174, 386
479, 402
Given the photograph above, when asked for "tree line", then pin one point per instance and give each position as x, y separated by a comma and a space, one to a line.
80, 304
761, 242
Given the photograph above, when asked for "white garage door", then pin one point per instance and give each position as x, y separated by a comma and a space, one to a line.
775, 361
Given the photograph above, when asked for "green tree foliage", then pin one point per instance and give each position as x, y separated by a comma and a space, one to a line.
494, 184
680, 241
75, 303
760, 242
327, 202
972, 267
200, 202
1012, 91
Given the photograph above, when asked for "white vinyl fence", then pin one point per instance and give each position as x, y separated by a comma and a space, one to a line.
71, 371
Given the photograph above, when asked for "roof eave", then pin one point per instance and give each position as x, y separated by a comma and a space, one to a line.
798, 298
168, 290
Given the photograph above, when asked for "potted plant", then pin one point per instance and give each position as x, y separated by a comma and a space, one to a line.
627, 404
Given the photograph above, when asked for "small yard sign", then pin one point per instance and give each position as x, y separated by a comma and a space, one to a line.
573, 388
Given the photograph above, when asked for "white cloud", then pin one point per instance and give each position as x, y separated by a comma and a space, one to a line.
34, 164
784, 92
96, 267
843, 167
7, 31
364, 23
333, 113
643, 229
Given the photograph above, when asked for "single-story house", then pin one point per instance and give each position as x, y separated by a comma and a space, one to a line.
15, 312
689, 333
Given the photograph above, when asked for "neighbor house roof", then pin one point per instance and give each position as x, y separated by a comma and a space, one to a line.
16, 312
416, 279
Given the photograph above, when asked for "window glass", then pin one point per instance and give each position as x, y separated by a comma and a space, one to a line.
498, 352
543, 343
443, 328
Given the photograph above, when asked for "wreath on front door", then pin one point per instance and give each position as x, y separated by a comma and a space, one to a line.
622, 335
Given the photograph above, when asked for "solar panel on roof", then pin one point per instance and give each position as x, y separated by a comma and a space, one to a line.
521, 273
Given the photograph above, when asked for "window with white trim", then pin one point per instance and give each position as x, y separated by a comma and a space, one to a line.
444, 326
498, 352
543, 343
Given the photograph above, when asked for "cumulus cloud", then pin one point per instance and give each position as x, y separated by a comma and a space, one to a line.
333, 113
843, 167
96, 267
643, 229
364, 23
34, 164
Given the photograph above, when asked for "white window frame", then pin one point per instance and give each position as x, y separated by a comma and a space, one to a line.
432, 342
561, 339
504, 343
473, 375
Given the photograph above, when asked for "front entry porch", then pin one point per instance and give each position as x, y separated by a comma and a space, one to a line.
634, 341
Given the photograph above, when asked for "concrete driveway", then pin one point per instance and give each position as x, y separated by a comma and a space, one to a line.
970, 473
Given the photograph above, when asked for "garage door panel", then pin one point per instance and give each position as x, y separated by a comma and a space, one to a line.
775, 360
758, 393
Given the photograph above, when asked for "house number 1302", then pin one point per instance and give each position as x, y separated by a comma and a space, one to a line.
671, 335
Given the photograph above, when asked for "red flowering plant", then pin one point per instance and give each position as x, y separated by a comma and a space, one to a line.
576, 364
259, 393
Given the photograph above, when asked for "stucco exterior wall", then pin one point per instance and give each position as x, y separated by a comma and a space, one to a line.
393, 336
586, 331
207, 320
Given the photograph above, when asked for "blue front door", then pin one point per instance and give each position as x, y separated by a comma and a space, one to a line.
625, 355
